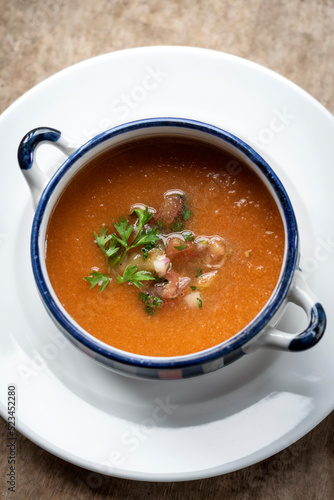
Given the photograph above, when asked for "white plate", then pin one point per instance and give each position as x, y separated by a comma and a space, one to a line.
171, 430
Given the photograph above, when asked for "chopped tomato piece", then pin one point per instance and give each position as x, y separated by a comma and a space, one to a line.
217, 252
170, 209
175, 286
176, 247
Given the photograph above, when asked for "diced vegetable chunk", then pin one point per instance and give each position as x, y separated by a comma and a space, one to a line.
176, 284
171, 208
192, 299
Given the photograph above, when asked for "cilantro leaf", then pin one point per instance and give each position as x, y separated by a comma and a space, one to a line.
133, 276
199, 303
96, 278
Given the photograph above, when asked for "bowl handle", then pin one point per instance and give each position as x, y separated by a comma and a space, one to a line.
35, 177
301, 295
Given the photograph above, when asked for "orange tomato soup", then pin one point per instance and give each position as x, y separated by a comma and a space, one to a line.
224, 261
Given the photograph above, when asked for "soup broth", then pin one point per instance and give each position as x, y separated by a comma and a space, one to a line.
214, 262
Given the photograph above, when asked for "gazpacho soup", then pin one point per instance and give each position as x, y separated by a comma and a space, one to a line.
165, 246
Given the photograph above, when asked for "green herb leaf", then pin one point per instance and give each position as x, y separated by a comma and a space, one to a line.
149, 246
188, 236
146, 238
177, 226
112, 249
199, 303
151, 302
199, 273
95, 278
193, 288
156, 301
186, 213
115, 260
133, 276
149, 310
124, 231
102, 241
103, 238
150, 299
143, 216
181, 247
144, 297
141, 238
116, 246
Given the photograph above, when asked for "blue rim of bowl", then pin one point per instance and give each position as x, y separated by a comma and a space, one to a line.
80, 336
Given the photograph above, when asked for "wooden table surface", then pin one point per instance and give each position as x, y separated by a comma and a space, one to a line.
294, 38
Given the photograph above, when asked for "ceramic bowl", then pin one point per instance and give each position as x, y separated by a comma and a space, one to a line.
260, 333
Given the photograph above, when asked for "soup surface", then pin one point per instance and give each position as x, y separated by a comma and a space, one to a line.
194, 256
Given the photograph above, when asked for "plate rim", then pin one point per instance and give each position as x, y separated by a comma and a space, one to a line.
126, 474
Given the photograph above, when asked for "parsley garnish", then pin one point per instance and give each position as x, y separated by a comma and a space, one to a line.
143, 297
149, 310
95, 278
199, 303
199, 273
142, 237
133, 276
102, 241
177, 226
147, 248
188, 236
186, 214
181, 247
151, 301
115, 247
